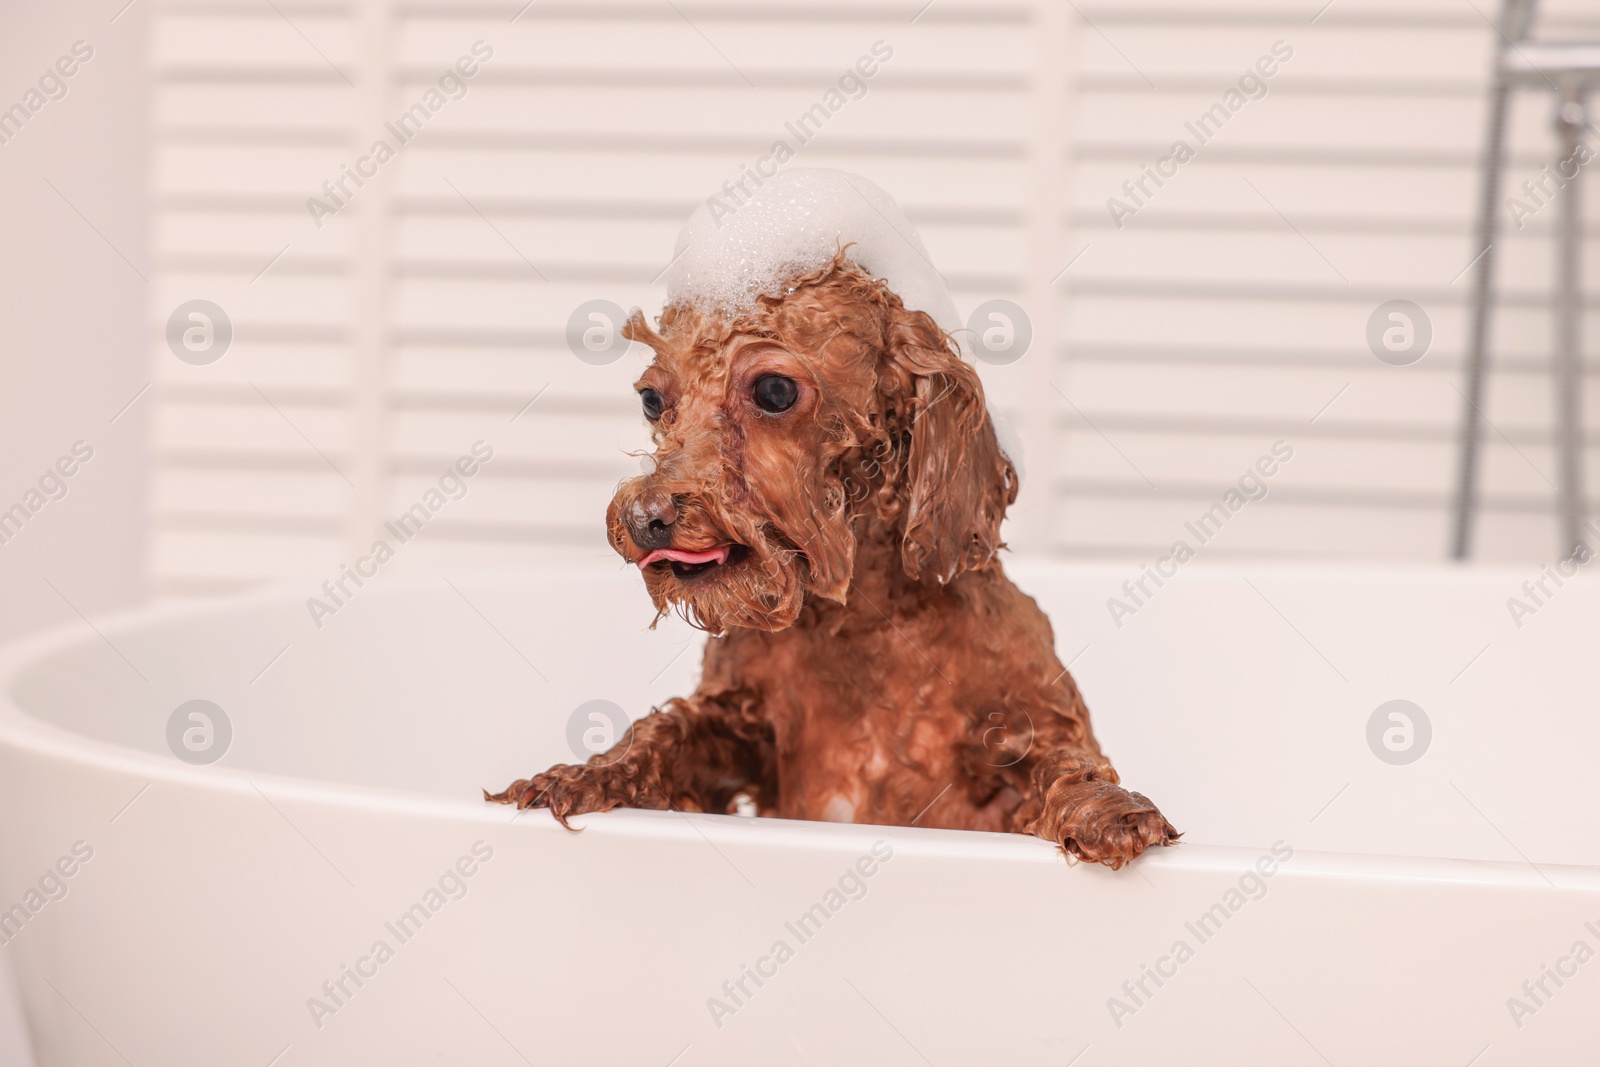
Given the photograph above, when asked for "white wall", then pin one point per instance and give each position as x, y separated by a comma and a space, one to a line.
73, 305
372, 350
1231, 311
1225, 316
72, 315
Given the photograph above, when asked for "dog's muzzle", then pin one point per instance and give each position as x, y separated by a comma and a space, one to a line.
649, 518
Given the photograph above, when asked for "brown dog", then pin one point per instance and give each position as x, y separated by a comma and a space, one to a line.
826, 502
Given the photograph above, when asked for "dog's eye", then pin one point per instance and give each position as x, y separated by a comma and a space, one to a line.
775, 393
652, 403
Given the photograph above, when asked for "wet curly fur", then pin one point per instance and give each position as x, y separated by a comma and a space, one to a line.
869, 660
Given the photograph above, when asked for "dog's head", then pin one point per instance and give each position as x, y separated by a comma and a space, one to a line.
785, 435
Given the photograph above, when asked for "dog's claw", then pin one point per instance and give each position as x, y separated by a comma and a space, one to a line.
524, 793
1104, 823
566, 790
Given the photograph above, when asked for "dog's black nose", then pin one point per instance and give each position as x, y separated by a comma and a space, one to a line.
650, 517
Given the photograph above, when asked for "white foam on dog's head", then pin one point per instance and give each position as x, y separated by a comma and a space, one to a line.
794, 223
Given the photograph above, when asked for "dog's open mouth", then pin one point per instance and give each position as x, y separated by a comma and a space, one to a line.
687, 564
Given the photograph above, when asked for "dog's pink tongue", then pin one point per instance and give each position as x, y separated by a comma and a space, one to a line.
678, 555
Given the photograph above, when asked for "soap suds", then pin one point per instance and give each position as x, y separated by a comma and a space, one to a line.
794, 223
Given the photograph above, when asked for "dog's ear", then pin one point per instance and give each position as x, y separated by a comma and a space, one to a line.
637, 328
954, 482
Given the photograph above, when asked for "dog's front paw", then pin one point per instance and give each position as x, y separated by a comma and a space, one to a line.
1104, 823
566, 789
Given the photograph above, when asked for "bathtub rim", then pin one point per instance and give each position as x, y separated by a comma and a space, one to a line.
29, 734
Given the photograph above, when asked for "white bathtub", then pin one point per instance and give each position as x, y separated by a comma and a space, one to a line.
219, 899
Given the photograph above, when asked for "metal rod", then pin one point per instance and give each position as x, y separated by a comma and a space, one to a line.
1466, 502
1571, 118
1516, 18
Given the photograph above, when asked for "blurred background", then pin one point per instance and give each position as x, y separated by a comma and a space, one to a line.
375, 338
